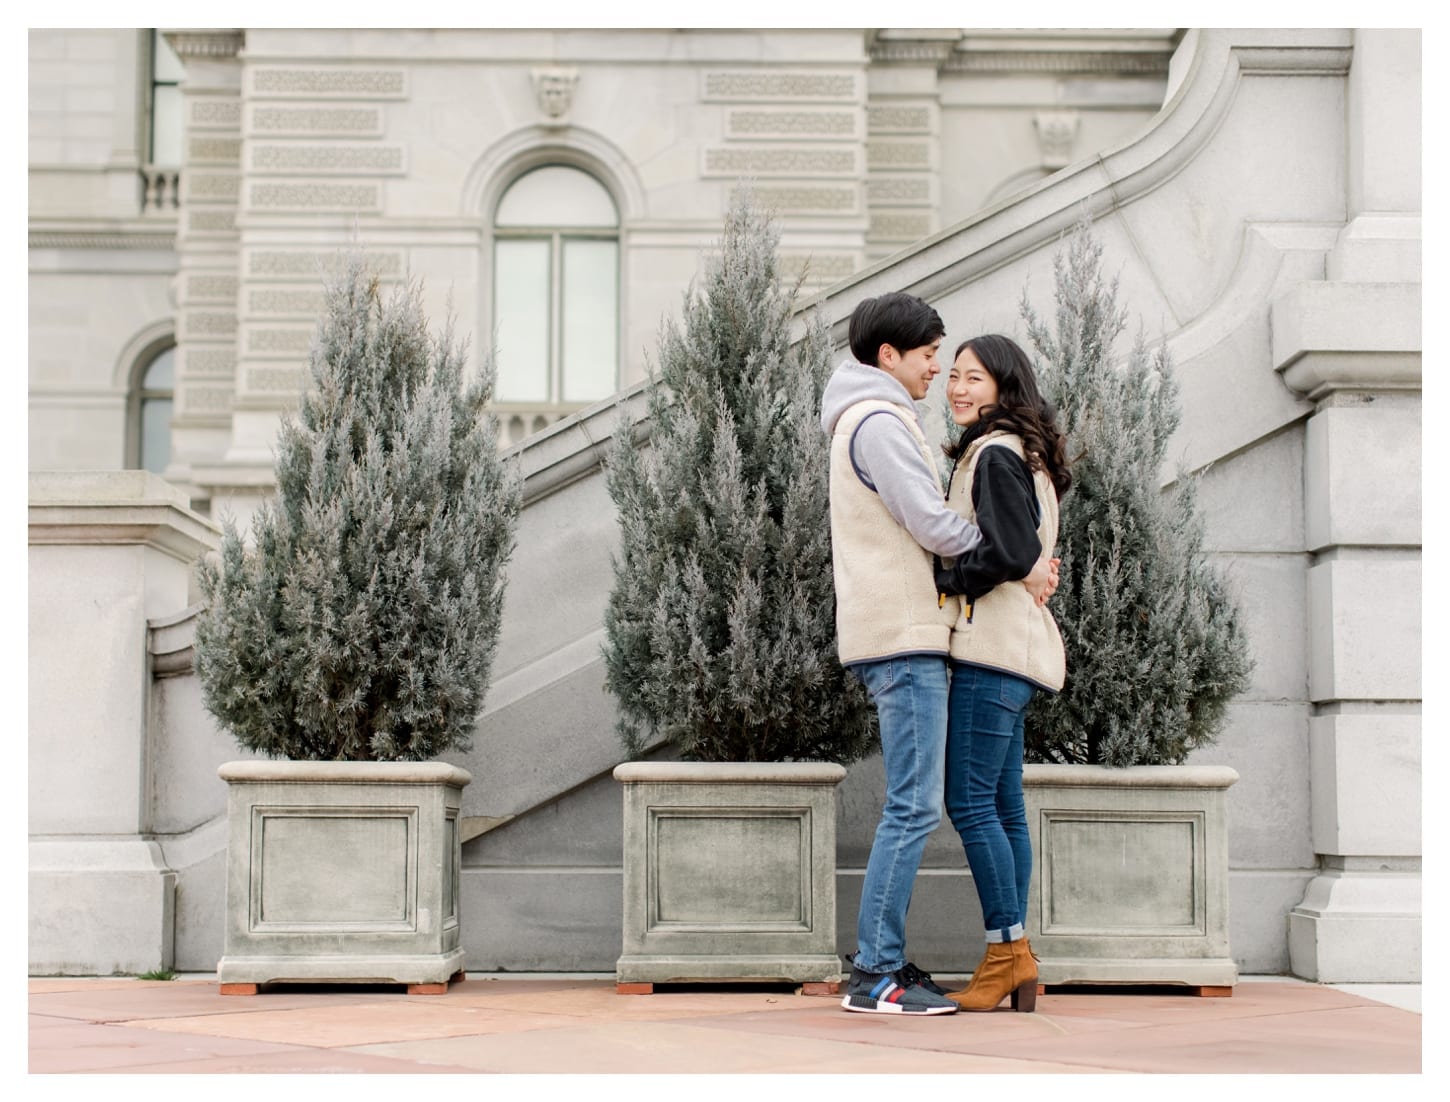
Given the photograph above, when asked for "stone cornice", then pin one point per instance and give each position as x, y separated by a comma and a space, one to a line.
205, 43
886, 50
152, 233
1117, 62
1025, 53
1331, 336
45, 240
90, 508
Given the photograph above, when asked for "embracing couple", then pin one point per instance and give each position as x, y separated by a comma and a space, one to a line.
941, 612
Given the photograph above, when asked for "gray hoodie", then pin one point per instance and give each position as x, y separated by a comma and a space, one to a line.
888, 459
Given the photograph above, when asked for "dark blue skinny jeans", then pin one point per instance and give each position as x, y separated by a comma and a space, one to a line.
983, 791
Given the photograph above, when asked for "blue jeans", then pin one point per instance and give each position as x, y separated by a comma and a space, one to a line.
910, 695
984, 791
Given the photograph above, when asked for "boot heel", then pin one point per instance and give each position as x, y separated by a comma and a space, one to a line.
1024, 997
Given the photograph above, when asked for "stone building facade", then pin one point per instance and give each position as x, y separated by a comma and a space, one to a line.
1258, 196
294, 142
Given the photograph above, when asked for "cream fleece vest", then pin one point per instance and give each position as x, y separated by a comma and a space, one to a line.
886, 597
1005, 630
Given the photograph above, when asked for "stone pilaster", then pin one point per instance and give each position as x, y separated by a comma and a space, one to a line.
1351, 344
109, 551
903, 132
796, 134
316, 166
206, 246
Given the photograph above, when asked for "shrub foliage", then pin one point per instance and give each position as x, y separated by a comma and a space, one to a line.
720, 629
1155, 647
362, 622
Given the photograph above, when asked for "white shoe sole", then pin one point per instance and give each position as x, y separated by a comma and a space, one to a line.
896, 1008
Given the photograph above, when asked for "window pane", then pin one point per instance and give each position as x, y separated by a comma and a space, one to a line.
521, 318
155, 434
591, 320
166, 126
161, 373
166, 67
557, 196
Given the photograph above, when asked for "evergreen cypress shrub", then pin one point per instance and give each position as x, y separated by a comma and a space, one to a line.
362, 623
1155, 646
720, 628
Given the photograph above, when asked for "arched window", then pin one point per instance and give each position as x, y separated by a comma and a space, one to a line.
150, 406
556, 289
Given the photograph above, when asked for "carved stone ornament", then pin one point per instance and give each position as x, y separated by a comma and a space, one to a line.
555, 89
205, 43
1056, 132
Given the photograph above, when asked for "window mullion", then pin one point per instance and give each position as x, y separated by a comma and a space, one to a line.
556, 319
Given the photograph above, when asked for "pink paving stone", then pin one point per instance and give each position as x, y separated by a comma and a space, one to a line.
602, 1002
87, 1047
684, 1048
340, 1026
1118, 1042
1367, 1038
91, 983
569, 1025
41, 1021
959, 1033
304, 1061
1248, 1000
120, 1003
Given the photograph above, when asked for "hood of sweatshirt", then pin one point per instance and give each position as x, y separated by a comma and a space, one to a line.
854, 382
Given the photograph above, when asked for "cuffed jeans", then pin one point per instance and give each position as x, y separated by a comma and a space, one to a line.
910, 695
984, 791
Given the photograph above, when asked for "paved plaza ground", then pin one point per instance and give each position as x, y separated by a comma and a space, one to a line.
578, 1024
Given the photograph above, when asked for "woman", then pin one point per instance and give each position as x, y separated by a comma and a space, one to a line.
1009, 472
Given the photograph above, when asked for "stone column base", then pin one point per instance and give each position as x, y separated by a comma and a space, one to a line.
100, 907
1358, 927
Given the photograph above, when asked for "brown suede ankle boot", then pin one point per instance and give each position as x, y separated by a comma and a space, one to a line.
1024, 995
1006, 969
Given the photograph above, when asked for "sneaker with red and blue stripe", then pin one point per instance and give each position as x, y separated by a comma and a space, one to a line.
899, 992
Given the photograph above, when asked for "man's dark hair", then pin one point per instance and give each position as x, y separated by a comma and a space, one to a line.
898, 319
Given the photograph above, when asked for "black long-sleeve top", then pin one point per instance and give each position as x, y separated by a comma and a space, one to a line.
1005, 499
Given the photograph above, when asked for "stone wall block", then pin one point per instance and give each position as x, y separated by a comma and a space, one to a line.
1362, 474
1365, 773
1364, 629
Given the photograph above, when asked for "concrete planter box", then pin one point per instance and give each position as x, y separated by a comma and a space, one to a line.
729, 872
1130, 877
342, 872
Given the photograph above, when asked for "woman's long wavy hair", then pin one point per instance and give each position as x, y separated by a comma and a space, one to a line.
1020, 408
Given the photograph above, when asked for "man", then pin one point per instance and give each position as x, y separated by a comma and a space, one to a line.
888, 518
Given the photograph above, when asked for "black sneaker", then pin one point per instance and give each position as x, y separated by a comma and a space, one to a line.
912, 974
893, 993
